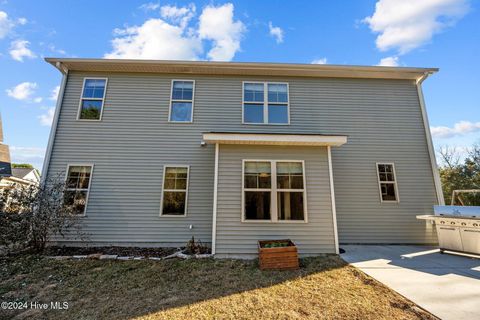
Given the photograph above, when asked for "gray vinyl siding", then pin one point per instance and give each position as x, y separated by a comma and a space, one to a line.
236, 238
134, 140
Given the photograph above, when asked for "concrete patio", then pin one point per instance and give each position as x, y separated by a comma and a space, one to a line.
446, 285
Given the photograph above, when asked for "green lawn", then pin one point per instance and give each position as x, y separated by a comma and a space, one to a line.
324, 288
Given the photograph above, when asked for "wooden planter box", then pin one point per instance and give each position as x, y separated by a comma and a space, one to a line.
281, 257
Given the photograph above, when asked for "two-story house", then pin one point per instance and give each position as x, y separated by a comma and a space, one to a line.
155, 152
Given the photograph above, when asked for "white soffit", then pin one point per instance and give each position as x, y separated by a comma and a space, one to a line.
238, 68
274, 139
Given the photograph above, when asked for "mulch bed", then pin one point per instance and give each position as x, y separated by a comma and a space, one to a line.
120, 251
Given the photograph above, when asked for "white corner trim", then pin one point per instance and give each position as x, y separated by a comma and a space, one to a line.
215, 192
431, 151
332, 197
274, 139
53, 129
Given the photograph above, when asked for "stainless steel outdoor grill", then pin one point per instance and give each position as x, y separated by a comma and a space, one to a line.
458, 228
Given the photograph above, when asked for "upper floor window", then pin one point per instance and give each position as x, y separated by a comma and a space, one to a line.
387, 182
93, 96
265, 103
77, 187
181, 103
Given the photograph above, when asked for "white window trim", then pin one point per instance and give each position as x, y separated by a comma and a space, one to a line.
91, 165
274, 190
265, 103
175, 190
98, 99
397, 196
176, 100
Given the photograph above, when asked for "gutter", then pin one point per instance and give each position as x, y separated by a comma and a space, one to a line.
433, 161
53, 130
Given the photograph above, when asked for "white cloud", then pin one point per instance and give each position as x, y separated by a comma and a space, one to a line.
178, 15
52, 48
150, 6
172, 37
54, 94
32, 155
155, 39
217, 24
47, 118
22, 91
319, 61
5, 24
19, 50
459, 129
389, 62
407, 24
276, 32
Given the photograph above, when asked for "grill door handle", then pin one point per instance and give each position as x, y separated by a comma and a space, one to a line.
444, 228
467, 230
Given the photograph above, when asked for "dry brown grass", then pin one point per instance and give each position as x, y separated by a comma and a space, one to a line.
324, 288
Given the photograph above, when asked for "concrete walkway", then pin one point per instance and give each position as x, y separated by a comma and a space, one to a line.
446, 285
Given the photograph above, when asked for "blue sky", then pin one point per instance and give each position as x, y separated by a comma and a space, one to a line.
421, 33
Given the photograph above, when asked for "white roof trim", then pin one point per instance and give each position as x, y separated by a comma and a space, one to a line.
19, 180
274, 139
238, 68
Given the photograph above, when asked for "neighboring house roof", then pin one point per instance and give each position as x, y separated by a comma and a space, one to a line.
23, 176
1, 129
238, 68
5, 167
23, 173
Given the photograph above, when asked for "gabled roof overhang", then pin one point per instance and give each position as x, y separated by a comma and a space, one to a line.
274, 139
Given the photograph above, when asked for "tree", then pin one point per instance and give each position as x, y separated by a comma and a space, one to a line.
22, 165
32, 215
456, 175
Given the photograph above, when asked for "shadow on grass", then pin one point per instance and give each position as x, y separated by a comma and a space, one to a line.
99, 289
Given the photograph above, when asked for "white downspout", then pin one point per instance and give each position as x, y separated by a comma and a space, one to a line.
431, 150
215, 191
53, 130
332, 198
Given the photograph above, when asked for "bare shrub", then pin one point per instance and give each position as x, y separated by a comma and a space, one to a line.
196, 247
32, 215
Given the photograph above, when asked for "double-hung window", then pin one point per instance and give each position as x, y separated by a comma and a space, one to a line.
265, 103
77, 187
92, 100
290, 191
274, 191
257, 190
387, 182
181, 102
175, 191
